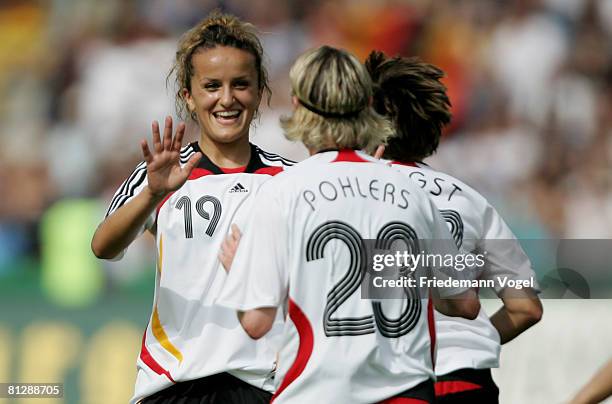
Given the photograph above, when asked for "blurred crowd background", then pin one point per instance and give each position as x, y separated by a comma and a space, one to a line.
81, 80
530, 82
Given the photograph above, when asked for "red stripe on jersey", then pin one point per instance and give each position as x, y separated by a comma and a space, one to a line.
233, 170
349, 155
403, 400
198, 172
269, 170
410, 164
304, 330
431, 324
162, 204
152, 363
455, 386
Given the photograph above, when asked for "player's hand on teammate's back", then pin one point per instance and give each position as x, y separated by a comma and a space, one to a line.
164, 172
229, 247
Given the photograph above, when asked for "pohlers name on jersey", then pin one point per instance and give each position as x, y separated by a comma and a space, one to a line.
352, 187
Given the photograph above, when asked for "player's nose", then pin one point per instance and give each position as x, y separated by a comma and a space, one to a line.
227, 97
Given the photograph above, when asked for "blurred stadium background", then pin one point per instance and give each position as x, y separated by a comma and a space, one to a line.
80, 82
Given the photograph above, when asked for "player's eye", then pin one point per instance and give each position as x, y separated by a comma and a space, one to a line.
241, 84
212, 85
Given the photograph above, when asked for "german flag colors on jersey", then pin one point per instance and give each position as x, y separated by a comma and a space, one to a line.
188, 337
303, 248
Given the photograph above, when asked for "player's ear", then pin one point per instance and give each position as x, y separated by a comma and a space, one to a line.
188, 99
295, 102
380, 150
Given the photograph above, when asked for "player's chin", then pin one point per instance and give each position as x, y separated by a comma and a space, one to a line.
230, 135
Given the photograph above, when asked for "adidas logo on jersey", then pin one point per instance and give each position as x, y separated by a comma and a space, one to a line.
238, 188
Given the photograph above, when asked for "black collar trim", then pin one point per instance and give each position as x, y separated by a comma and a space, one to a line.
253, 165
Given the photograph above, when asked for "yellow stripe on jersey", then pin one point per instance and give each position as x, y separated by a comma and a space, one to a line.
156, 326
162, 337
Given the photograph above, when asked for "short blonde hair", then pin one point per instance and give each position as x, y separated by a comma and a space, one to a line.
334, 92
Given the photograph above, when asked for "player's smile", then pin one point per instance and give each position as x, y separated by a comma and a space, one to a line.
227, 118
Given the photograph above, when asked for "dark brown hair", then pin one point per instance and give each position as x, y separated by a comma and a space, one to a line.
409, 93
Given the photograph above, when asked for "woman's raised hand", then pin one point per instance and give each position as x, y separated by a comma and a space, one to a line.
164, 172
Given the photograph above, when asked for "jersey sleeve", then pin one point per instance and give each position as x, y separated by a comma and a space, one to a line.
504, 255
131, 187
259, 274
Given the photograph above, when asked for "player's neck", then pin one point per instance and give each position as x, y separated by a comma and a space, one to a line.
314, 150
227, 155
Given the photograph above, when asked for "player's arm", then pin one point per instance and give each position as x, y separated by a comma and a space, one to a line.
466, 304
257, 322
505, 258
164, 175
121, 227
258, 279
521, 309
598, 388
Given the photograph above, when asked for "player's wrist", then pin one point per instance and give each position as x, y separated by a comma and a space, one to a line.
154, 195
581, 400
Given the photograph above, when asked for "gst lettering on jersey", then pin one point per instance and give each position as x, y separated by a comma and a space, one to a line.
435, 186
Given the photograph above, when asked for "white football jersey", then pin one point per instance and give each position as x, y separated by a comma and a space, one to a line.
476, 227
303, 248
188, 337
